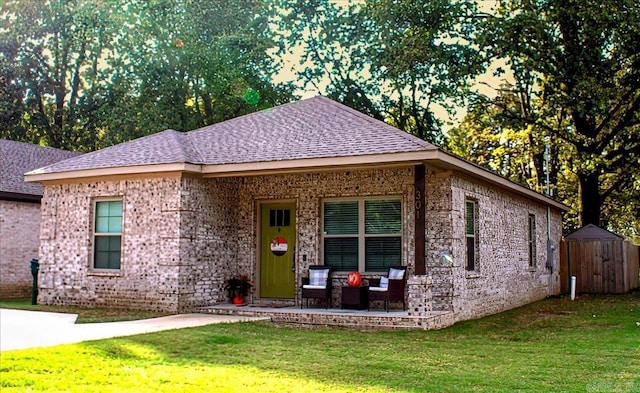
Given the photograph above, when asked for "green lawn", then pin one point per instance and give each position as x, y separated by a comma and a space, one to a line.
591, 344
85, 315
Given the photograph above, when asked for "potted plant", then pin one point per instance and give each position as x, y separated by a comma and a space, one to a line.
238, 288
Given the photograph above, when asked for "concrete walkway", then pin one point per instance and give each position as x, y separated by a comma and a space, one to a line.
21, 329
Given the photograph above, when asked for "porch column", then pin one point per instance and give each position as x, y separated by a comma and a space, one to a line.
419, 204
419, 295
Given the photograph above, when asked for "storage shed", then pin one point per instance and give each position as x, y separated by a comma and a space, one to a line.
601, 261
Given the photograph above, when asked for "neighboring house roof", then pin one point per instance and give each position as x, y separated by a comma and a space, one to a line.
312, 134
592, 232
17, 158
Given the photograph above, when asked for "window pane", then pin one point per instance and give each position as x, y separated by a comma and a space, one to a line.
382, 253
341, 253
470, 218
471, 253
114, 260
108, 217
532, 240
102, 209
101, 260
107, 252
102, 243
383, 217
115, 208
341, 218
114, 243
115, 224
102, 224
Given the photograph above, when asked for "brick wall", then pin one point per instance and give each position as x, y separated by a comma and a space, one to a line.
503, 279
209, 233
439, 237
19, 229
150, 265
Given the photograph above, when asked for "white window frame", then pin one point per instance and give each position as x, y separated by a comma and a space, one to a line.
362, 236
95, 234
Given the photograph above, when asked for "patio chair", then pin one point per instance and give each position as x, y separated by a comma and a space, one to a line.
317, 285
389, 288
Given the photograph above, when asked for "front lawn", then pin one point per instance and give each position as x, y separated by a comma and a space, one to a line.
589, 345
85, 314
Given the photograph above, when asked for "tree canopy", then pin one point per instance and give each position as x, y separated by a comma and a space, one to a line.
576, 66
85, 74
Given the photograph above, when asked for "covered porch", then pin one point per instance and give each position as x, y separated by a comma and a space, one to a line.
418, 315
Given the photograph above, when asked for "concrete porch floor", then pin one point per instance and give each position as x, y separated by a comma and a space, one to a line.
374, 319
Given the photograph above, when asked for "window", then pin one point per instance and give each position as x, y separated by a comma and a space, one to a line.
107, 243
471, 234
532, 241
362, 234
279, 217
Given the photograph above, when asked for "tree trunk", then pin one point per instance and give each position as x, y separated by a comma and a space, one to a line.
590, 198
208, 108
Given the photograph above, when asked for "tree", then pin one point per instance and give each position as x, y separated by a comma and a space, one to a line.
50, 50
334, 40
584, 60
503, 145
423, 51
491, 136
85, 74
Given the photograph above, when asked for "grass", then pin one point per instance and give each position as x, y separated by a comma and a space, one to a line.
591, 344
85, 314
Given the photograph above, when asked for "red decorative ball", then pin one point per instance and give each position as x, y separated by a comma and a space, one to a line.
354, 279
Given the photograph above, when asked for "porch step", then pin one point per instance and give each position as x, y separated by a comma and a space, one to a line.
361, 319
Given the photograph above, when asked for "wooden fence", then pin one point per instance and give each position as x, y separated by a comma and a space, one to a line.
600, 266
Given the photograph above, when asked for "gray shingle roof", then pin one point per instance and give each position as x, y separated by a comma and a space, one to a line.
591, 232
17, 158
313, 128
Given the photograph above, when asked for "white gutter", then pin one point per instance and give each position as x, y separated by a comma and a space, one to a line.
433, 157
37, 176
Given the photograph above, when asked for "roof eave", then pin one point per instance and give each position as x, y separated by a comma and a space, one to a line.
315, 164
19, 197
437, 158
449, 161
36, 176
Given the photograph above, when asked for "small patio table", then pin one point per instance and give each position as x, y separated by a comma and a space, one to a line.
355, 297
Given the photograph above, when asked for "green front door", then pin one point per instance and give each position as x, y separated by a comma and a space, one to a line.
277, 249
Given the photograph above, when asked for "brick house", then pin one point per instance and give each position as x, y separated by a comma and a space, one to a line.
162, 221
20, 212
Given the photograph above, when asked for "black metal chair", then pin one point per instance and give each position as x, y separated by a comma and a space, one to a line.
389, 288
317, 285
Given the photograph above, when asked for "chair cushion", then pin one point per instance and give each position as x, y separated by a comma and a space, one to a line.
314, 287
378, 289
384, 282
396, 274
318, 277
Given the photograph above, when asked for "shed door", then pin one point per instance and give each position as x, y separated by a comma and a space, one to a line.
277, 250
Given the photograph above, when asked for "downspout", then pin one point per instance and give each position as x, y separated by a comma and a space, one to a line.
550, 249
550, 246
